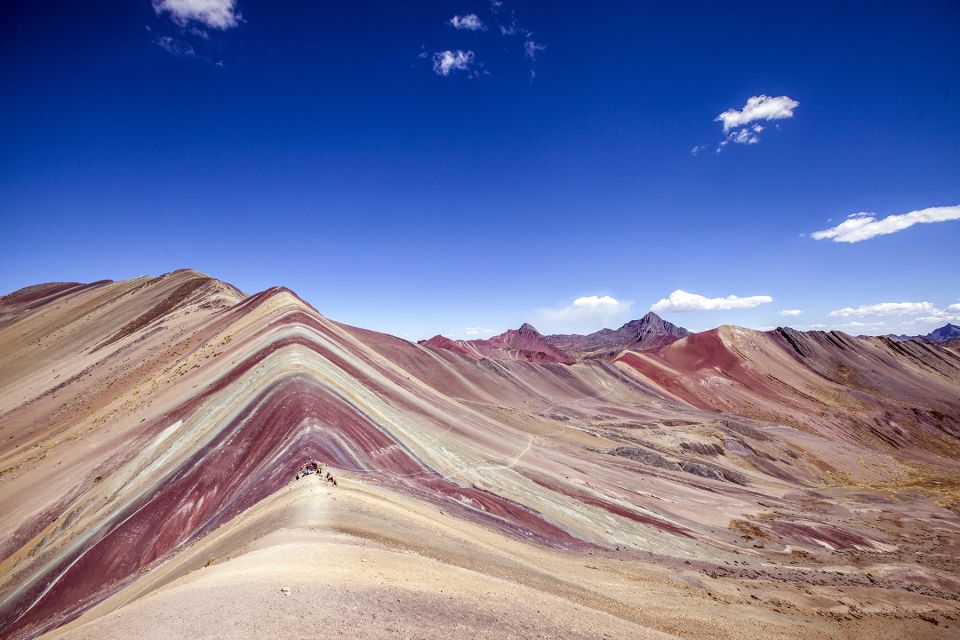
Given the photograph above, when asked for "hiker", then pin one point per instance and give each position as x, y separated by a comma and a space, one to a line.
306, 469
331, 479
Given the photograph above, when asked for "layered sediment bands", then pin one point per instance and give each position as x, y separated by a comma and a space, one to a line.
874, 391
142, 422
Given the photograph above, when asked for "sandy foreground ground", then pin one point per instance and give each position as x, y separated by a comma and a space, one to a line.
358, 561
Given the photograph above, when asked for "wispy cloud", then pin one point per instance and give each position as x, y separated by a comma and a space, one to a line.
445, 62
904, 317
531, 47
747, 135
469, 22
854, 324
215, 14
885, 309
478, 331
506, 20
790, 313
586, 312
681, 301
175, 46
863, 226
500, 18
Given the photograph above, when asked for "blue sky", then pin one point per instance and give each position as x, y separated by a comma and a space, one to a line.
410, 176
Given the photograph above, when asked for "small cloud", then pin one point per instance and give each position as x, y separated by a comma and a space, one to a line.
175, 46
478, 331
758, 108
215, 14
681, 301
864, 226
445, 62
469, 22
531, 47
790, 313
586, 312
747, 135
885, 309
700, 148
737, 127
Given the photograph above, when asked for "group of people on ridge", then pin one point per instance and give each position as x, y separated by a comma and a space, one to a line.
314, 467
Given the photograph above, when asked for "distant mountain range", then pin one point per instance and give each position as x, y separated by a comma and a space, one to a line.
947, 335
649, 332
526, 343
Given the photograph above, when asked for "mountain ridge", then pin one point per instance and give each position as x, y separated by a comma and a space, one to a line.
160, 468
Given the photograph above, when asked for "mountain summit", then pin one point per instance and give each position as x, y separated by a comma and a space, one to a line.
944, 333
649, 332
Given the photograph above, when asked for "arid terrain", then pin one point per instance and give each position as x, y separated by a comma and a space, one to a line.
644, 482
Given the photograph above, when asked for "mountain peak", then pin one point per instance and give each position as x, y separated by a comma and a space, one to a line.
649, 332
944, 333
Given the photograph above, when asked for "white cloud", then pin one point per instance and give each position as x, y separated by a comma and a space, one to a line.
885, 309
470, 22
216, 14
681, 301
736, 124
863, 226
758, 108
747, 135
446, 61
855, 324
531, 47
586, 312
478, 331
924, 314
789, 313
